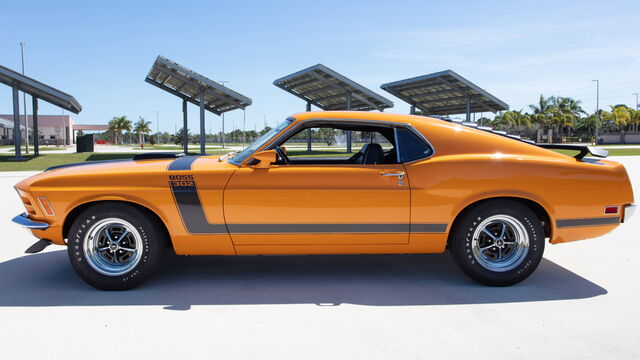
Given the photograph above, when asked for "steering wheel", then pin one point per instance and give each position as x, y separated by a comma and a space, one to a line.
282, 155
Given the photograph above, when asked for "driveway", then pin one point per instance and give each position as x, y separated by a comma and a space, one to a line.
582, 302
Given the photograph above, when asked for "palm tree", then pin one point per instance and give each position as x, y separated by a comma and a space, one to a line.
587, 123
113, 126
634, 120
512, 119
619, 116
117, 125
141, 128
541, 110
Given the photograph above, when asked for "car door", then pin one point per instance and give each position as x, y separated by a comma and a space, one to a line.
318, 205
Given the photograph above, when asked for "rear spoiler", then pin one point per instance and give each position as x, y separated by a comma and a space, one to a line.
584, 149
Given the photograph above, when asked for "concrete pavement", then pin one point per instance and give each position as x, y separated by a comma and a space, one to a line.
582, 302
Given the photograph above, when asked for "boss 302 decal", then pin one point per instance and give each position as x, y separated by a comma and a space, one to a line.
190, 207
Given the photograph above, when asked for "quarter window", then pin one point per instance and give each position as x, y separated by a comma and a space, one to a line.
411, 146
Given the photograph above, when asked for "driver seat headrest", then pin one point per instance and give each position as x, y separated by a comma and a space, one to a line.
372, 154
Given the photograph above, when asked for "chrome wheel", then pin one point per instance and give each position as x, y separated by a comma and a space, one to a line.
113, 246
500, 243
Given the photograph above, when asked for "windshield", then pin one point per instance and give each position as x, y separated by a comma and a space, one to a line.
244, 154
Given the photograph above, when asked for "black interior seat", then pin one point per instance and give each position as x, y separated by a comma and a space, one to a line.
372, 154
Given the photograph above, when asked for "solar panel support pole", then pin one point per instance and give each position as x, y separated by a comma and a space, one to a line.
348, 131
308, 130
223, 130
202, 138
16, 122
185, 132
413, 109
468, 108
36, 138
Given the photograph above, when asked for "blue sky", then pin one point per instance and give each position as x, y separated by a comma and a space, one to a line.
100, 52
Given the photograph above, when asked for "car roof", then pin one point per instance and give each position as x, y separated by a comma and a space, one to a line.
364, 115
440, 131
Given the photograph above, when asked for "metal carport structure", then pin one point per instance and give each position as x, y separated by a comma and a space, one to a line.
196, 89
320, 86
444, 93
37, 90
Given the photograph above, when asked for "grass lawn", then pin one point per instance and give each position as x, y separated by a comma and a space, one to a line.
42, 148
44, 161
623, 151
179, 147
319, 153
612, 151
47, 160
49, 149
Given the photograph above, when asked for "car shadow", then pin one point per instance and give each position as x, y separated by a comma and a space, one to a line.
47, 279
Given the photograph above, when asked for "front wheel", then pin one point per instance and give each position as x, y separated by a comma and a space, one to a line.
114, 246
498, 243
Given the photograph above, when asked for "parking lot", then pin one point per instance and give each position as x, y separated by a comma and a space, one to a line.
582, 302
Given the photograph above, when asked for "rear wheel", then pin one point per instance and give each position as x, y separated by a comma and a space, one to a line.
498, 242
114, 246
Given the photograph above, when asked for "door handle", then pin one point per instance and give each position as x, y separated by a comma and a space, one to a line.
400, 176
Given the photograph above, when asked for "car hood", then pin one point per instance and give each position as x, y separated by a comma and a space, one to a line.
106, 170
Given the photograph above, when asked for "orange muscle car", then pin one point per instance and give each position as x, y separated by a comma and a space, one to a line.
417, 185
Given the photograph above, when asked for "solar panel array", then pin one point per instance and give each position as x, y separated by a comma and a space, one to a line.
329, 90
444, 93
39, 90
187, 84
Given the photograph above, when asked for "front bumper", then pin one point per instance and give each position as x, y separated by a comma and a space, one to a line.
628, 212
24, 221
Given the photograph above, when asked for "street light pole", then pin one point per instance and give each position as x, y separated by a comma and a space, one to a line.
597, 81
157, 127
24, 101
222, 82
244, 126
636, 94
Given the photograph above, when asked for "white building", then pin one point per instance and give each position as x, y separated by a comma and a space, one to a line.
52, 129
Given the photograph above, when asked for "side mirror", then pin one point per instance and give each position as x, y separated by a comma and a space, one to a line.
265, 158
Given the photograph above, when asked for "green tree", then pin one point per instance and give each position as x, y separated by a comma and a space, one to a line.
265, 130
117, 125
619, 116
178, 138
541, 111
634, 120
565, 112
512, 120
142, 127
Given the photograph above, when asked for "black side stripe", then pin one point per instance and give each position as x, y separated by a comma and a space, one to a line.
182, 163
317, 228
587, 222
332, 228
192, 212
428, 228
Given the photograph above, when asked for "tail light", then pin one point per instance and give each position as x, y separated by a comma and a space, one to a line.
611, 209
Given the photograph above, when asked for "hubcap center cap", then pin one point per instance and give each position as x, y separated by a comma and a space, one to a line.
113, 247
500, 242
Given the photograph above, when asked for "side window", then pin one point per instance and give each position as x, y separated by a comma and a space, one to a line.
329, 142
411, 146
